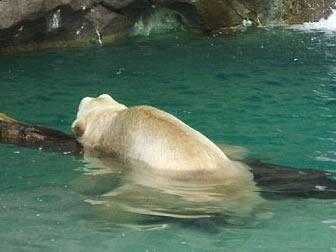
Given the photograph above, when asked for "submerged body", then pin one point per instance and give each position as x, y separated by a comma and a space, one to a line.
187, 173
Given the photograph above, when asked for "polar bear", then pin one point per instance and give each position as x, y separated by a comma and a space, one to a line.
176, 168
150, 136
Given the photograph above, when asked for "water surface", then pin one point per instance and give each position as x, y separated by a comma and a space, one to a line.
270, 90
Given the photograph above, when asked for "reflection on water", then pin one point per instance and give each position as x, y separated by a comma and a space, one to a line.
130, 195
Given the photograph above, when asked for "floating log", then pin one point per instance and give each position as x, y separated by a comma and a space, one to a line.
280, 181
37, 137
274, 180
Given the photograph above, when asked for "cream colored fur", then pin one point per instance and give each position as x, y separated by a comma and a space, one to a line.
150, 136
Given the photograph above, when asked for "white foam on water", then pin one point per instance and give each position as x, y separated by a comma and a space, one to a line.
329, 221
327, 25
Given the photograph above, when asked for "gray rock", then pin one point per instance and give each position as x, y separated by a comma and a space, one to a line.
117, 4
63, 22
16, 11
293, 11
228, 14
65, 25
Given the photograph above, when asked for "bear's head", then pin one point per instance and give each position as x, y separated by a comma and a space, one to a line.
88, 110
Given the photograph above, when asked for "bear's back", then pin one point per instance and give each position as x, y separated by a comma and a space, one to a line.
164, 142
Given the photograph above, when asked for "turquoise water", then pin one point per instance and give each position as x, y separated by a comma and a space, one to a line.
272, 91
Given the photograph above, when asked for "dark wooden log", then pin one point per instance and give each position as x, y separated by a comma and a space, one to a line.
37, 137
280, 181
275, 181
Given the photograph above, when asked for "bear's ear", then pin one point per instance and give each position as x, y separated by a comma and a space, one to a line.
78, 127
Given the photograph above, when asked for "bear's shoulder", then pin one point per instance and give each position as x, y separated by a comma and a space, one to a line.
146, 112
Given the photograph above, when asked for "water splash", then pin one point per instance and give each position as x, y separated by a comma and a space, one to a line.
80, 29
19, 31
99, 38
327, 25
55, 21
158, 20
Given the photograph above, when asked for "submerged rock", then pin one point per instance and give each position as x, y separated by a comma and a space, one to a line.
39, 23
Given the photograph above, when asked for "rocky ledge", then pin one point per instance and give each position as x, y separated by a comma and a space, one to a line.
42, 23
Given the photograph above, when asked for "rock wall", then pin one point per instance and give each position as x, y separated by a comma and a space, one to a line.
46, 23
57, 22
227, 14
293, 11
